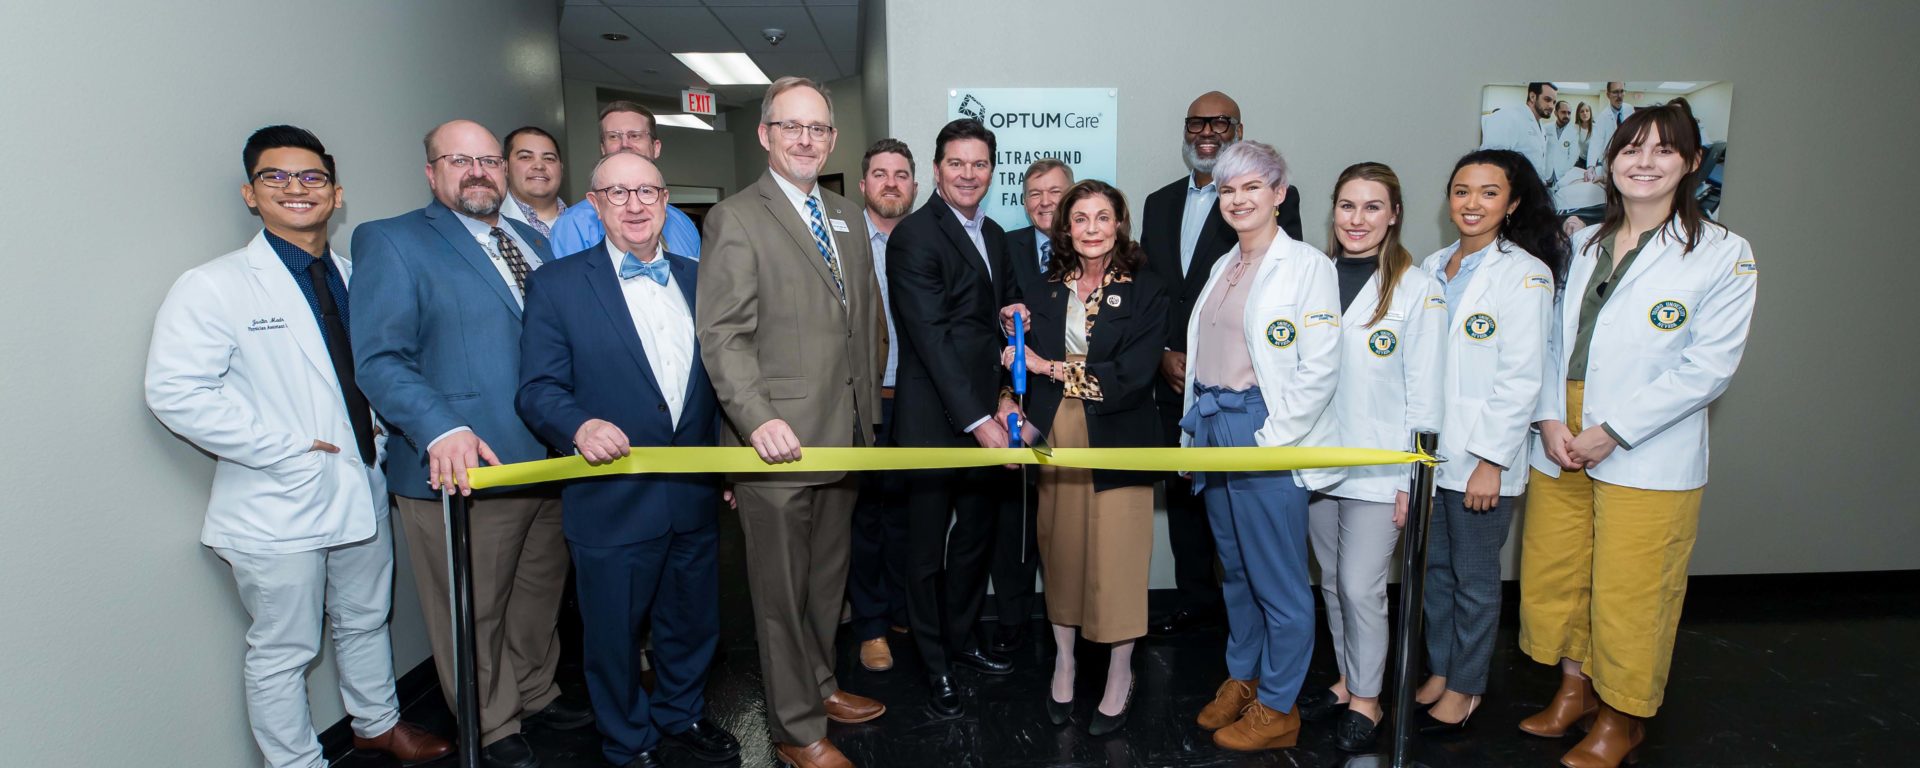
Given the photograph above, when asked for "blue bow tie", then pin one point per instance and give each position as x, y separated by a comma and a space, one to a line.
656, 270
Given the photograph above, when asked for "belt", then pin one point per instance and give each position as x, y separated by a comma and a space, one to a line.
886, 393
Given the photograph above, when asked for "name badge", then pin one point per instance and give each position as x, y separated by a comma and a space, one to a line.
1396, 316
839, 225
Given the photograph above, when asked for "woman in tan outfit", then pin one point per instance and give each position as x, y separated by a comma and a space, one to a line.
1097, 329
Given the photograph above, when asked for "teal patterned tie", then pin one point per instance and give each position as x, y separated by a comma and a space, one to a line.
819, 226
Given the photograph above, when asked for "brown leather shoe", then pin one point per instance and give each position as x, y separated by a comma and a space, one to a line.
1615, 739
843, 707
1233, 696
1260, 728
1575, 704
409, 743
876, 655
820, 754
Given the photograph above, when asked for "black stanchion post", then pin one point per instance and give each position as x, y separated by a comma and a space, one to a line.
466, 674
1413, 576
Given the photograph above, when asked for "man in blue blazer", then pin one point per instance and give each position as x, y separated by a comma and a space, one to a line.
608, 360
436, 344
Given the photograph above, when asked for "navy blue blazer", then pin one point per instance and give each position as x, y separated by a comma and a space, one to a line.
436, 339
580, 359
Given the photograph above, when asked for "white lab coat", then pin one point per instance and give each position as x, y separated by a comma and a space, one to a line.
1389, 378
1563, 152
1294, 301
1651, 384
1515, 128
238, 366
1491, 385
1603, 128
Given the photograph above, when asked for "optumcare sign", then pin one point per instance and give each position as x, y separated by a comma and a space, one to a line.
1076, 126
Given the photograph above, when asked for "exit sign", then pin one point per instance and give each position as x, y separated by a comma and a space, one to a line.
696, 102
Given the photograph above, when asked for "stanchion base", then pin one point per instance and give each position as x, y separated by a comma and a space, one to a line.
1380, 761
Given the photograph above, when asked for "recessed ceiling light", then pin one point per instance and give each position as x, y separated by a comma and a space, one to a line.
614, 37
683, 121
1680, 87
1574, 86
724, 68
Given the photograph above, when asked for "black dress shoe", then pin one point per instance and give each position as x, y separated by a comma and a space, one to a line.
1184, 621
510, 752
561, 715
1426, 723
1319, 705
647, 759
1009, 638
1058, 712
1355, 733
708, 742
943, 696
1104, 723
984, 662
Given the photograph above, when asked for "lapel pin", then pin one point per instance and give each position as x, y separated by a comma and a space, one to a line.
1113, 301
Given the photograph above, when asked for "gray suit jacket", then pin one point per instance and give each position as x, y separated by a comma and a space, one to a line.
773, 334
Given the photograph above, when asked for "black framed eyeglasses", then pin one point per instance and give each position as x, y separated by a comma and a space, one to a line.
1219, 123
463, 162
619, 195
279, 179
791, 129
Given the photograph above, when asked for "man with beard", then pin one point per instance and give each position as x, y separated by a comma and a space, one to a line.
876, 571
534, 173
1183, 234
437, 301
1522, 131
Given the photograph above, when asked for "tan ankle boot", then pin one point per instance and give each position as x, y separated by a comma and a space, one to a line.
1615, 739
1260, 728
1575, 703
1232, 697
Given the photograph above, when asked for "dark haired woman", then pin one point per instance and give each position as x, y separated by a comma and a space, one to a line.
1391, 336
1098, 328
1498, 282
1651, 329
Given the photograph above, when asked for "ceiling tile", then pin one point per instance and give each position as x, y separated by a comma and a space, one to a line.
817, 65
854, 3
581, 26
746, 24
732, 3
839, 26
651, 3
583, 66
681, 30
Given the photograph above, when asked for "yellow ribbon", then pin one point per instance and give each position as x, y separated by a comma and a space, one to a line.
742, 459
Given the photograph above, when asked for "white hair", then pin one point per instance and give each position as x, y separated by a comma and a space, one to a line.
1242, 158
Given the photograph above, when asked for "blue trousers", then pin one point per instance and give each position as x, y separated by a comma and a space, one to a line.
1259, 522
1463, 588
674, 582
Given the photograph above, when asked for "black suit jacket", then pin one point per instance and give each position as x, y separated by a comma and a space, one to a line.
946, 310
1160, 236
1022, 253
1123, 355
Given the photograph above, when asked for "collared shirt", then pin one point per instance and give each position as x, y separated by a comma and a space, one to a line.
579, 228
878, 240
1194, 218
973, 226
1456, 286
520, 211
298, 261
799, 201
1594, 299
483, 234
665, 326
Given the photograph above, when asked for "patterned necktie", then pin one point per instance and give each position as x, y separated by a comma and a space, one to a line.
819, 226
1046, 253
515, 262
655, 270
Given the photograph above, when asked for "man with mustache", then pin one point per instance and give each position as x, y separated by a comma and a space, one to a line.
876, 571
438, 294
1183, 233
534, 173
629, 126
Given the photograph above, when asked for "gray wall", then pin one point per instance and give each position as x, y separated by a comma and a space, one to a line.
849, 115
1806, 472
123, 125
688, 156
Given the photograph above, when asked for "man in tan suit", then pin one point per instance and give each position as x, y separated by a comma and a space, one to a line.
787, 313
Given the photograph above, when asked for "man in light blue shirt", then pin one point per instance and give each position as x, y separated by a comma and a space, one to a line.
623, 125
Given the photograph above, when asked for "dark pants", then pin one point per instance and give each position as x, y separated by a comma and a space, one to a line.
672, 581
877, 568
1189, 534
1463, 588
947, 578
1015, 560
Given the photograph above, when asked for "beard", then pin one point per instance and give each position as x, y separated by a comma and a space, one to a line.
894, 209
1198, 164
479, 199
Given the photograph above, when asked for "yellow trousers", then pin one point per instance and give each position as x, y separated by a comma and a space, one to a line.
1603, 571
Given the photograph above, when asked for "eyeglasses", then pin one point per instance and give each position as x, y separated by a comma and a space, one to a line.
1220, 123
632, 136
279, 179
791, 130
1616, 91
463, 162
618, 195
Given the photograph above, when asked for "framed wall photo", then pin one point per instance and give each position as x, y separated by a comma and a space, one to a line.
837, 182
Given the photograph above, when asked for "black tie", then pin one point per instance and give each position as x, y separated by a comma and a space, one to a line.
340, 348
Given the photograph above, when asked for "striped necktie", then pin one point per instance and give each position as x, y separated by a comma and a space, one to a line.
820, 241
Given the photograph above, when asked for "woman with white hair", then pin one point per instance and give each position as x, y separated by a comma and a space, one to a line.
1263, 346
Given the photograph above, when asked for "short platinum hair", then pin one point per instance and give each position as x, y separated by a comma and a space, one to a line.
789, 83
1243, 158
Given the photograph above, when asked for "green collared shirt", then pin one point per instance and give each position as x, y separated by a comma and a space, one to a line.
1599, 287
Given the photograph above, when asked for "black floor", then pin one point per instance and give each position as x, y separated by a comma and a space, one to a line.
1768, 671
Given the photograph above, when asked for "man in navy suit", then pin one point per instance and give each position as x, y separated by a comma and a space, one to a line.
608, 360
436, 347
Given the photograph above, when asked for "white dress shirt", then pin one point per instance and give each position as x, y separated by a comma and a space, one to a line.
1199, 200
877, 238
483, 234
665, 325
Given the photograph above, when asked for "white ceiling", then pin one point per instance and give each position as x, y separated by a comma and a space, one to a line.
822, 41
